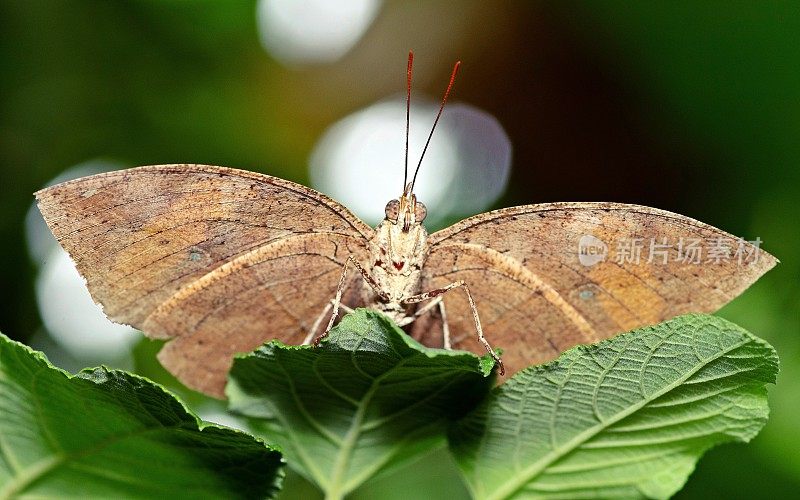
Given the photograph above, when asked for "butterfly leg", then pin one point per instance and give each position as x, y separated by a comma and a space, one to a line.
424, 309
446, 328
419, 312
337, 301
344, 308
415, 299
313, 331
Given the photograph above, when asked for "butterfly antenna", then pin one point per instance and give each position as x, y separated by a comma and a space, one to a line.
438, 115
408, 112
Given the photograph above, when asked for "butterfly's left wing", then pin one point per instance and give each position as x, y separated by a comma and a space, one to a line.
536, 297
218, 260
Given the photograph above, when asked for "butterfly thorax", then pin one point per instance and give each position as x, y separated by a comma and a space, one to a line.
397, 254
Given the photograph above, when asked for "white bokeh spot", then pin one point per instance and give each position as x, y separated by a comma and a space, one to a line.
359, 160
71, 316
313, 31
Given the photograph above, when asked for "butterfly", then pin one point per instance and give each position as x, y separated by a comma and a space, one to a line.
219, 260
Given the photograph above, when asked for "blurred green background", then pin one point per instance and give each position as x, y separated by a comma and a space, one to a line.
692, 107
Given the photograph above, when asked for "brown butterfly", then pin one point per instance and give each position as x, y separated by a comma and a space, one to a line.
221, 260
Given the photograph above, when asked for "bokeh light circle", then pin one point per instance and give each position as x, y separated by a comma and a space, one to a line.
313, 31
71, 317
359, 160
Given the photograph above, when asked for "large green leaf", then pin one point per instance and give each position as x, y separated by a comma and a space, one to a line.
110, 434
628, 417
368, 399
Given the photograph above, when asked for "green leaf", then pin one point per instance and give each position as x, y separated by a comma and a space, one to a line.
628, 417
369, 399
110, 434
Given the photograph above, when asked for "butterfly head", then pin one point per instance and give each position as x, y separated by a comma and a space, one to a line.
399, 244
406, 211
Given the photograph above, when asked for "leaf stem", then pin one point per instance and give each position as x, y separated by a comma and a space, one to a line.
337, 489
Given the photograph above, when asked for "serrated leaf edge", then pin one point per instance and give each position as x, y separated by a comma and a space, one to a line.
529, 473
33, 473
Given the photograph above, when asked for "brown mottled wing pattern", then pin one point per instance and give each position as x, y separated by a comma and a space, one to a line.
219, 259
536, 299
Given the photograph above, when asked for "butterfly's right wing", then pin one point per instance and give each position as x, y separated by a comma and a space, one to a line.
537, 297
220, 260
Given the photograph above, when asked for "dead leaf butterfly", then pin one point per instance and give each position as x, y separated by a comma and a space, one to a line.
221, 260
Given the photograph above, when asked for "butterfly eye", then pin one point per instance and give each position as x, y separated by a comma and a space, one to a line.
420, 212
392, 210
